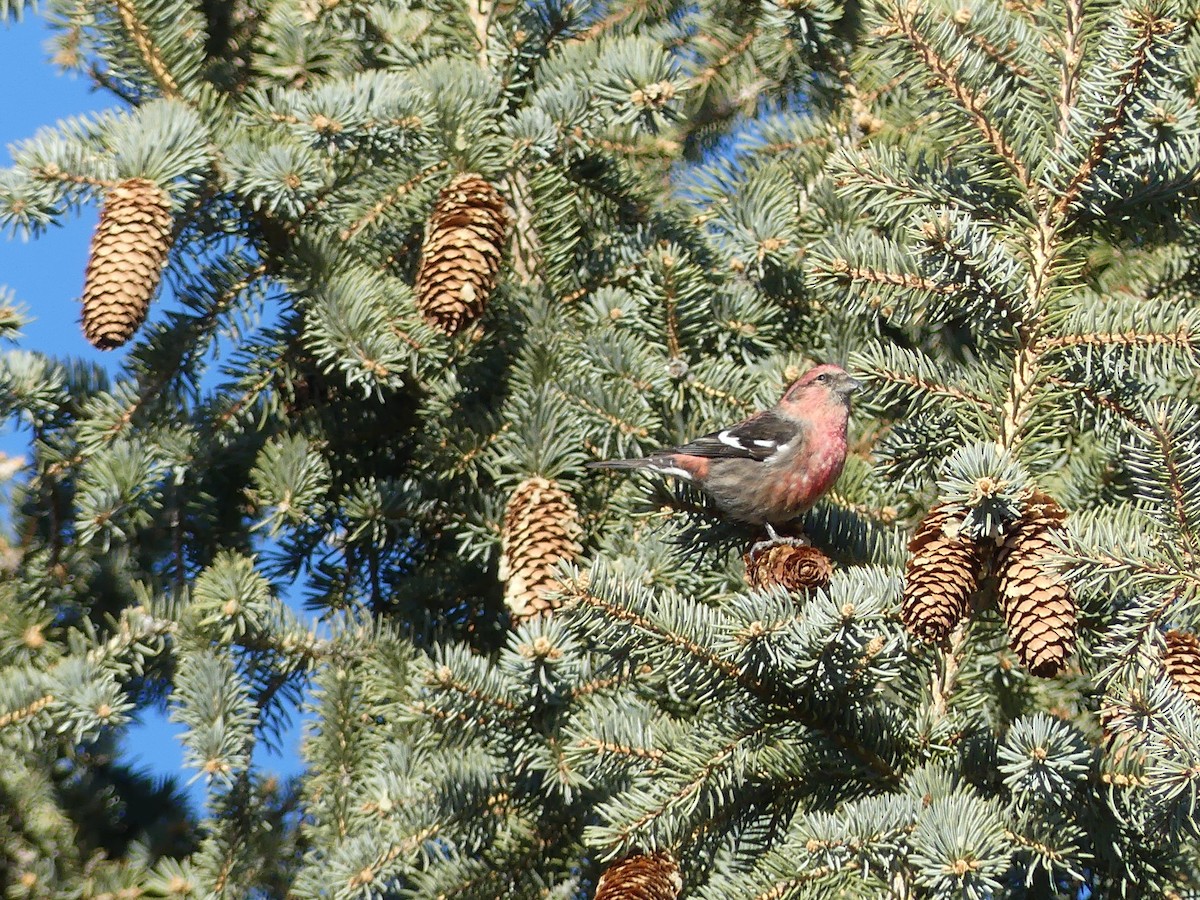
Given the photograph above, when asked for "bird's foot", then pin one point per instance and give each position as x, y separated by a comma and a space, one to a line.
775, 539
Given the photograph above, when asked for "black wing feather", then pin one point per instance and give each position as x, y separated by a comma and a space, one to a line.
757, 438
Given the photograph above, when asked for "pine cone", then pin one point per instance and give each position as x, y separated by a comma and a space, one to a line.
1036, 601
642, 877
129, 250
1182, 662
541, 525
460, 260
941, 575
790, 566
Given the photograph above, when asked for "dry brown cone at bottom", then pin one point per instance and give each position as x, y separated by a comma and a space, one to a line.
1036, 601
1181, 659
541, 530
460, 260
643, 877
941, 575
791, 566
129, 250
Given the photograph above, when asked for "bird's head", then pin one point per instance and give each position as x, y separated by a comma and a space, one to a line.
820, 386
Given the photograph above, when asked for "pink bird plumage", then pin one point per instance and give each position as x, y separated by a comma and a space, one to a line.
773, 466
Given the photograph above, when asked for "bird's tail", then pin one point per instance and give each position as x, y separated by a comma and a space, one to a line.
618, 464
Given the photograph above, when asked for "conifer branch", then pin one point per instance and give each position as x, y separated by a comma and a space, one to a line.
599, 747
1181, 339
703, 774
144, 42
480, 14
674, 349
1093, 396
1171, 462
678, 641
165, 375
1152, 27
603, 683
615, 421
388, 200
711, 71
932, 387
717, 393
14, 716
366, 876
786, 888
843, 270
1072, 52
724, 667
526, 248
946, 73
1001, 57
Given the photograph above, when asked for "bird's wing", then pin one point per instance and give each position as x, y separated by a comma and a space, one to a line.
759, 438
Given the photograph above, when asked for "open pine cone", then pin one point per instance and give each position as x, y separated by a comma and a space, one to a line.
541, 527
941, 575
460, 260
129, 250
642, 877
1036, 601
790, 566
1181, 659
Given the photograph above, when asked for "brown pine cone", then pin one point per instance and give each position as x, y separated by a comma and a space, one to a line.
460, 260
1181, 659
790, 566
541, 528
129, 250
1036, 601
941, 575
643, 877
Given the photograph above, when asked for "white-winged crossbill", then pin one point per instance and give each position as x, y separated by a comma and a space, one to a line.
773, 466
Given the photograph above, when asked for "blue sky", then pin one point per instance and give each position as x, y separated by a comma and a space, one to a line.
46, 276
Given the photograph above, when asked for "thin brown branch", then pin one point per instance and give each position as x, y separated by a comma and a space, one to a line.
1151, 28
387, 200
933, 387
1106, 403
140, 35
708, 73
621, 425
28, 711
1001, 57
652, 754
1072, 58
946, 73
1180, 338
843, 269
1175, 486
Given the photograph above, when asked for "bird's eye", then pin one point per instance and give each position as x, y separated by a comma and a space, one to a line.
822, 378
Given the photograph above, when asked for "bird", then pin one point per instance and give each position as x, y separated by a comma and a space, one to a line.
773, 466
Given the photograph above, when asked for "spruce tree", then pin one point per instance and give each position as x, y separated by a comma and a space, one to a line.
426, 259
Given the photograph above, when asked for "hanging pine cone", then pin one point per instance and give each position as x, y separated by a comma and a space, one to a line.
541, 525
643, 877
1182, 662
941, 575
129, 250
460, 260
1036, 601
790, 566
